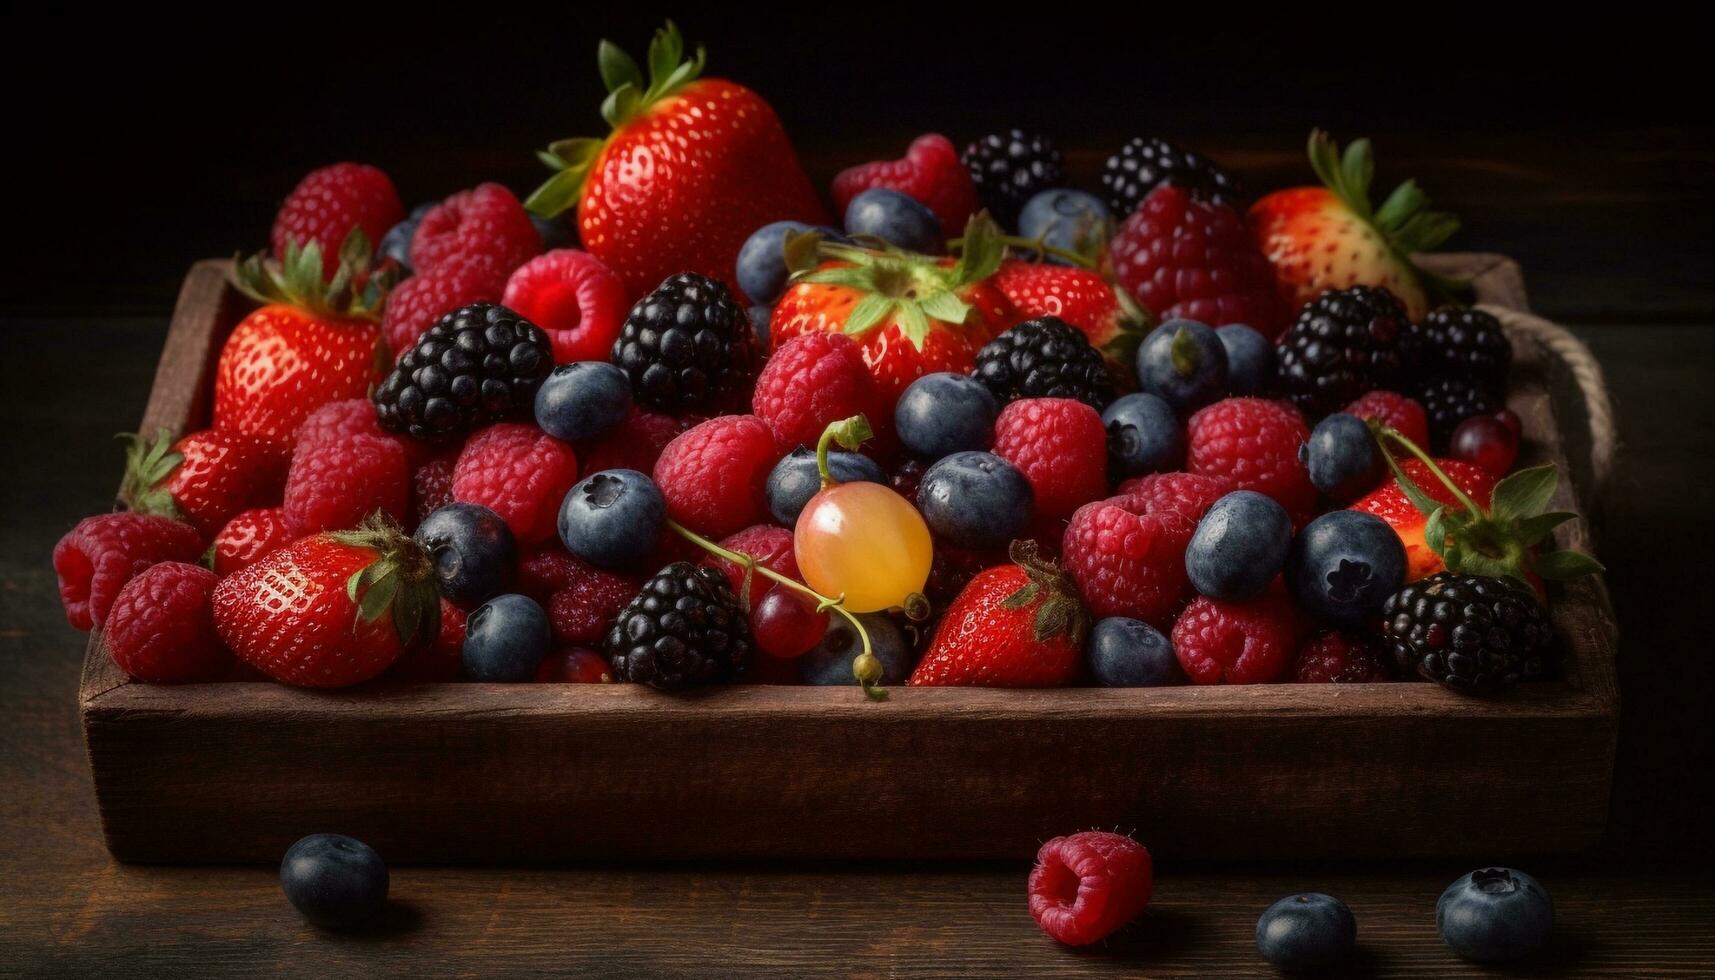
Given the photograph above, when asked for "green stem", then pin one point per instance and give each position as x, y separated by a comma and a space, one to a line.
1390, 433
1039, 246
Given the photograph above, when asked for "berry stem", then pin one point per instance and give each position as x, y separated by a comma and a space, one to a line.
850, 433
1385, 433
866, 668
1038, 245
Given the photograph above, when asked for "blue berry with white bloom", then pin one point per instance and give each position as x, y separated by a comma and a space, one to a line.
1495, 915
505, 639
334, 880
1310, 931
582, 400
1250, 359
1127, 652
1184, 363
1343, 459
1239, 546
1344, 565
975, 500
612, 519
944, 413
795, 479
1066, 219
1144, 435
896, 219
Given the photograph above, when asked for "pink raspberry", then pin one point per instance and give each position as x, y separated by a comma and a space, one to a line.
1060, 446
1127, 555
421, 301
1188, 494
635, 444
1254, 443
519, 472
1086, 886
583, 609
333, 486
772, 548
97, 557
161, 626
249, 537
812, 380
575, 297
930, 173
486, 220
1333, 657
1248, 642
714, 476
432, 485
328, 203
1394, 409
443, 659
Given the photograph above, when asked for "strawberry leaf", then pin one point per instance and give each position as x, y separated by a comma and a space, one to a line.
945, 306
559, 193
1533, 530
1563, 565
982, 251
617, 68
912, 323
1435, 532
866, 314
1523, 494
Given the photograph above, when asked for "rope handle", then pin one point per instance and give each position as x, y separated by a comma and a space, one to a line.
1586, 373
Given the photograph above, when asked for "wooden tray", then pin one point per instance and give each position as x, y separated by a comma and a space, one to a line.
551, 772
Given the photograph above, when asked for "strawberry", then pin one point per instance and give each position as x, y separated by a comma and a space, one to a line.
205, 478
330, 610
910, 314
1108, 316
310, 345
1017, 625
1390, 503
1328, 237
692, 167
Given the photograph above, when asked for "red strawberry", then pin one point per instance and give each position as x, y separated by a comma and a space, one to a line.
1390, 503
929, 173
330, 610
1017, 625
329, 203
205, 478
248, 537
1111, 319
1329, 237
692, 167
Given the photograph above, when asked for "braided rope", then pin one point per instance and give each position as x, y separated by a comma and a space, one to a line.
1586, 372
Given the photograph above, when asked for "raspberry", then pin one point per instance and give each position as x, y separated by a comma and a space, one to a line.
1333, 657
423, 299
486, 220
582, 609
1127, 555
929, 173
812, 380
97, 557
1248, 642
545, 572
443, 659
1393, 409
248, 537
432, 485
1188, 494
1182, 257
1254, 443
573, 296
520, 473
333, 486
772, 548
635, 444
714, 476
338, 421
1087, 885
1060, 446
161, 626
329, 202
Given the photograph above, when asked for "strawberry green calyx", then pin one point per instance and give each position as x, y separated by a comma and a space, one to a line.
356, 291
148, 465
1500, 541
1404, 219
628, 96
400, 580
1052, 591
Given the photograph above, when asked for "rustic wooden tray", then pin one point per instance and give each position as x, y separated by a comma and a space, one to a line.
551, 772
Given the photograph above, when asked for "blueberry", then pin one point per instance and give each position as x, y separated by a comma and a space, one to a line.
473, 551
1066, 219
761, 268
941, 414
505, 639
795, 479
1184, 362
1494, 915
1344, 565
396, 244
1131, 653
334, 880
1342, 457
761, 319
556, 232
1250, 359
613, 519
975, 500
830, 661
896, 219
1239, 547
1144, 435
582, 400
1306, 932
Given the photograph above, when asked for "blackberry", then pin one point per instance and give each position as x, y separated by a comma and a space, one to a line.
479, 364
1471, 633
1347, 342
1451, 399
1467, 343
684, 629
1146, 163
685, 346
1045, 358
1009, 169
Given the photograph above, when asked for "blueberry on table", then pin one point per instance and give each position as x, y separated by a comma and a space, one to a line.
1240, 545
1184, 363
473, 550
944, 413
583, 400
975, 500
334, 880
1344, 565
830, 661
1306, 932
761, 267
612, 519
795, 479
505, 639
1494, 915
1144, 436
1066, 219
1126, 652
896, 219
1343, 459
1250, 359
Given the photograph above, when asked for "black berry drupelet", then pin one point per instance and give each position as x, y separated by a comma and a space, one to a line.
479, 364
684, 629
1008, 168
1468, 344
1451, 399
1045, 358
685, 346
1471, 633
1344, 343
1146, 163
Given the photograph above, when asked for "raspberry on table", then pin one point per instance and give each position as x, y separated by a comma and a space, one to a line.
1127, 555
715, 475
581, 610
248, 537
161, 626
1393, 409
772, 548
96, 558
1250, 642
1086, 886
519, 472
575, 298
1333, 656
333, 486
485, 220
1060, 446
1253, 443
419, 302
1185, 258
812, 380
635, 444
432, 484
328, 203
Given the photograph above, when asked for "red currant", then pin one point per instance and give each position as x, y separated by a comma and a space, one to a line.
1510, 419
786, 623
1487, 442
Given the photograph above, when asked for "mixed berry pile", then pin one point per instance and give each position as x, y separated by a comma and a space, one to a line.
985, 428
